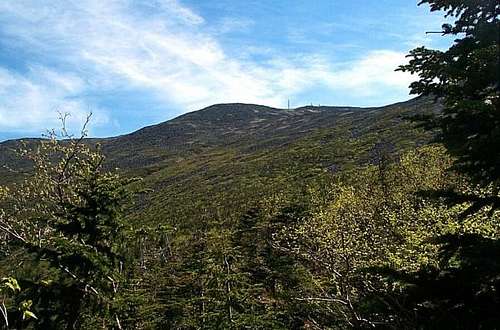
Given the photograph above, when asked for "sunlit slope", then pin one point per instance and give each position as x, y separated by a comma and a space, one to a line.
241, 152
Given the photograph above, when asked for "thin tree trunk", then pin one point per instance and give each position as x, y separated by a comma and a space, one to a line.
3, 309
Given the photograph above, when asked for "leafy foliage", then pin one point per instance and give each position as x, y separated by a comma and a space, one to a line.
380, 253
8, 288
462, 289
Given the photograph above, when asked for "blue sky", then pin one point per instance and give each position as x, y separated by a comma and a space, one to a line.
134, 63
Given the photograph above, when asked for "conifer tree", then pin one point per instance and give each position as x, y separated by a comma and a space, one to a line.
462, 289
466, 77
65, 224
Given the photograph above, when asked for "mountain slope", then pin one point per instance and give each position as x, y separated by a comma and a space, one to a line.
247, 150
246, 125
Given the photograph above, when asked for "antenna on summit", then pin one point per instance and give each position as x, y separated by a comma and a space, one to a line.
288, 104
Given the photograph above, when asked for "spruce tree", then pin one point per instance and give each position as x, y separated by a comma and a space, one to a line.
466, 77
463, 290
64, 225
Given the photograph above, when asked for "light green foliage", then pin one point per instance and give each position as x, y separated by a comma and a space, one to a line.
9, 287
376, 218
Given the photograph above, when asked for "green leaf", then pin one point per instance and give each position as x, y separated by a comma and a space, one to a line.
28, 314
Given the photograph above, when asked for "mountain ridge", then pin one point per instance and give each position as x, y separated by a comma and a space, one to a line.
233, 106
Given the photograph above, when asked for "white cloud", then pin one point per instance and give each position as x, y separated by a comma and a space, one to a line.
161, 47
32, 105
233, 24
371, 74
184, 13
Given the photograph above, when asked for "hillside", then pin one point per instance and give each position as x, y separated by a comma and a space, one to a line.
248, 149
250, 207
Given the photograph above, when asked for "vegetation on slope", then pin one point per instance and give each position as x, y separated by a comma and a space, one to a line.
253, 217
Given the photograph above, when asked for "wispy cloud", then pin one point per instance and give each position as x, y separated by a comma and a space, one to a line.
175, 8
233, 24
160, 46
33, 102
370, 74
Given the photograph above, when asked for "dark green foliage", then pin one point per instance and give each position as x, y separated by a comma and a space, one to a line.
64, 225
277, 275
462, 290
467, 77
201, 247
249, 241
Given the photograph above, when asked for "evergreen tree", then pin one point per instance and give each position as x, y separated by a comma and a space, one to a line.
462, 289
467, 77
64, 223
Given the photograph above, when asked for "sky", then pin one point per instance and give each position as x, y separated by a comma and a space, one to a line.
134, 63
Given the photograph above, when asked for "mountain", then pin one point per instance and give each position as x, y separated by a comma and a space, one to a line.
248, 149
247, 127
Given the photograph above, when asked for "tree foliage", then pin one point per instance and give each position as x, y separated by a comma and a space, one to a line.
63, 226
378, 250
462, 290
466, 76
